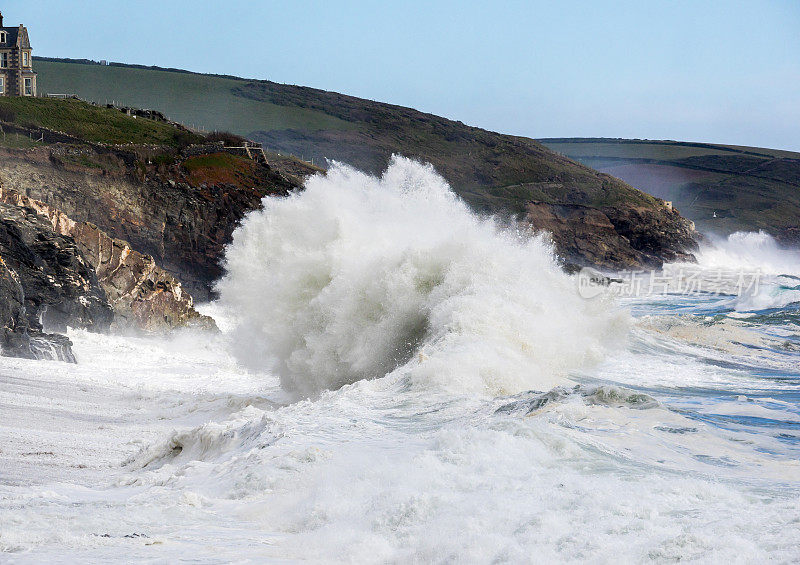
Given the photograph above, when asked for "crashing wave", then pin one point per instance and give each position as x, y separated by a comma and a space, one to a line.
356, 277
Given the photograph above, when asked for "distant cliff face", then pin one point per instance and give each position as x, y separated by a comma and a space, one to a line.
721, 188
615, 238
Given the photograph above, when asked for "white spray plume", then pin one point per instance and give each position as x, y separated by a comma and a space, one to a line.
779, 268
750, 251
357, 276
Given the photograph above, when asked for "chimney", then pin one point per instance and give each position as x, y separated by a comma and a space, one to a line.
1, 19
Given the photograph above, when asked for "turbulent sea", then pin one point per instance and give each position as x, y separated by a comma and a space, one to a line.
399, 380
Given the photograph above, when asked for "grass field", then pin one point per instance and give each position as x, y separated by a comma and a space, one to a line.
91, 123
202, 101
17, 141
650, 149
494, 172
631, 150
219, 168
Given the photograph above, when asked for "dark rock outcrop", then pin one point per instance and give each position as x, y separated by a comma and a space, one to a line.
17, 339
789, 237
614, 238
14, 340
658, 235
143, 296
46, 284
61, 288
184, 226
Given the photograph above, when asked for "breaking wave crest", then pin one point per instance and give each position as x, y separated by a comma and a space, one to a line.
778, 283
357, 277
750, 251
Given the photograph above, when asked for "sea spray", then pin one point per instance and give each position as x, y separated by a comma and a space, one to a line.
672, 449
356, 277
760, 273
749, 251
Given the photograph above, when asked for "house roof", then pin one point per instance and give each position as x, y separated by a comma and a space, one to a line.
15, 34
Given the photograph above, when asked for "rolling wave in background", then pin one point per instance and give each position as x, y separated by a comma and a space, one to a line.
752, 251
761, 274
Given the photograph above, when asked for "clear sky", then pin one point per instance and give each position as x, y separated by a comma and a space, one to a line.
702, 70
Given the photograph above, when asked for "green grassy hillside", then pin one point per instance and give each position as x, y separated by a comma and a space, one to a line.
723, 188
203, 101
492, 171
94, 124
111, 141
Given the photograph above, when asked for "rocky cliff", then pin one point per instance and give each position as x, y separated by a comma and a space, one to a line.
142, 295
14, 340
47, 284
616, 238
114, 222
108, 217
182, 214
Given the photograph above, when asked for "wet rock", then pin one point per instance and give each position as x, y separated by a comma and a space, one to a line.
530, 402
617, 396
614, 238
43, 278
60, 288
659, 235
142, 295
14, 340
55, 347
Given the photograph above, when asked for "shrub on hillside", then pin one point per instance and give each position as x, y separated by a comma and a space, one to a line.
184, 139
7, 114
227, 138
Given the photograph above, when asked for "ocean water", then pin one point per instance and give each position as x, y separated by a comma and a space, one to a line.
399, 380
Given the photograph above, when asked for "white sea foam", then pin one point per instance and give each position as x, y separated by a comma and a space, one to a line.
750, 265
679, 447
778, 268
749, 251
772, 292
357, 276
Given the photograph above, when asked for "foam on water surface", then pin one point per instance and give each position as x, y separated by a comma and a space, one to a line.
398, 380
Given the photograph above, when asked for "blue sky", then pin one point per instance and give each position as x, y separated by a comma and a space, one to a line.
704, 70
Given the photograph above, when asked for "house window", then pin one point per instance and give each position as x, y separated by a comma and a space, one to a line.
26, 59
28, 87
4, 60
3, 37
2, 85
